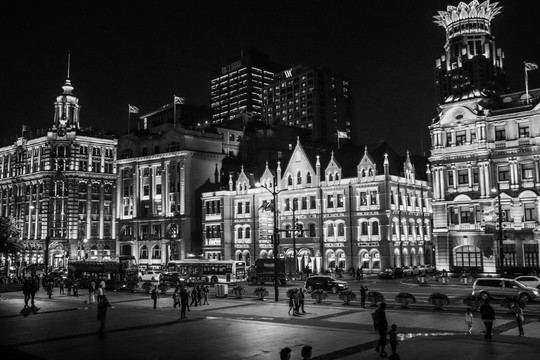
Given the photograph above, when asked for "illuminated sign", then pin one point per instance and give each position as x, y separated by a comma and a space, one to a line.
231, 67
288, 73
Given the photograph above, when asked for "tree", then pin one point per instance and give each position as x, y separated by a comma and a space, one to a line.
9, 238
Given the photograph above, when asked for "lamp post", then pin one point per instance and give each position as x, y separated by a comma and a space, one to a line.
276, 235
295, 202
501, 255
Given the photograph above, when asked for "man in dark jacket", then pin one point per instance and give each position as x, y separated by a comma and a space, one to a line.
488, 316
381, 325
363, 290
103, 306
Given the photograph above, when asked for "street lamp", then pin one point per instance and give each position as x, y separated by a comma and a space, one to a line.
501, 255
276, 234
295, 203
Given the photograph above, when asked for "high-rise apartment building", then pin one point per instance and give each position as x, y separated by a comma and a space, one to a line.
59, 188
309, 98
237, 87
471, 63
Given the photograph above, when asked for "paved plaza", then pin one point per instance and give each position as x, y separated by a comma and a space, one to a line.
66, 327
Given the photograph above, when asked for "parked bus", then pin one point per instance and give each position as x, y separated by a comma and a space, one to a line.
213, 271
122, 269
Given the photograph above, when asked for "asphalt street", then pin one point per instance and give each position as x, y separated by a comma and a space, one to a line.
228, 328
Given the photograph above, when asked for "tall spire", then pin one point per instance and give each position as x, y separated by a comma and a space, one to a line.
66, 114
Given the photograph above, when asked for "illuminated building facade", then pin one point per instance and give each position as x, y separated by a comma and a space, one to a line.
485, 157
237, 87
372, 219
159, 173
59, 188
471, 63
313, 99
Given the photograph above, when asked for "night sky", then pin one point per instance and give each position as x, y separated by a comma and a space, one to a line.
142, 53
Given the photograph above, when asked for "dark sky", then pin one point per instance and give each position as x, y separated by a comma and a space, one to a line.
142, 53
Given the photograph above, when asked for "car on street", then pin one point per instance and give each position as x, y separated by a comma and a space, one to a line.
426, 268
326, 283
501, 288
411, 270
529, 280
150, 275
391, 273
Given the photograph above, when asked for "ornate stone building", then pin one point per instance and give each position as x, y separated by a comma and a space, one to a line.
346, 212
60, 188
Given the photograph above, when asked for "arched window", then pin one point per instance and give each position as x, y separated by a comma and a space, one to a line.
363, 173
308, 178
156, 252
299, 178
337, 177
289, 180
240, 233
341, 229
299, 230
248, 233
331, 230
143, 252
375, 228
467, 256
312, 232
330, 177
370, 173
364, 228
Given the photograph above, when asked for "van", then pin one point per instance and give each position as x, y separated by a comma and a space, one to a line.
501, 288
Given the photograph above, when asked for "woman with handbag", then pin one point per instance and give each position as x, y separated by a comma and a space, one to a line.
519, 319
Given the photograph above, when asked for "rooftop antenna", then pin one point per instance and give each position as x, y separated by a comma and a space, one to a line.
69, 62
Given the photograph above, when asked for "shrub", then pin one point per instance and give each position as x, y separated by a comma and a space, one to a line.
439, 297
163, 287
405, 295
347, 294
147, 286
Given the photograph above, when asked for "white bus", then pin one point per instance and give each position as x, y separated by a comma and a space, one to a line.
214, 271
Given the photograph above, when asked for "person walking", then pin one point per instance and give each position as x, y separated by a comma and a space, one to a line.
184, 302
50, 289
301, 298
358, 273
69, 284
75, 289
361, 274
392, 336
26, 291
292, 305
363, 291
103, 306
61, 287
194, 297
205, 291
92, 292
306, 352
488, 317
381, 325
154, 295
519, 319
199, 294
176, 296
469, 320
100, 290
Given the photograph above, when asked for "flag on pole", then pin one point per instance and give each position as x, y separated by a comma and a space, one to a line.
179, 100
529, 66
133, 109
342, 135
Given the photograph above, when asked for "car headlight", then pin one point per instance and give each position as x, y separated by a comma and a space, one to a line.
536, 292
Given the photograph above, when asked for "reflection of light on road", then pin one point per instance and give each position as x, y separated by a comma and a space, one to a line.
412, 335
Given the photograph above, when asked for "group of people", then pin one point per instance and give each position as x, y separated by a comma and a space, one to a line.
381, 326
285, 353
296, 301
487, 314
182, 295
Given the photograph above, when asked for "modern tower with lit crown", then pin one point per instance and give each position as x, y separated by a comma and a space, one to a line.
471, 62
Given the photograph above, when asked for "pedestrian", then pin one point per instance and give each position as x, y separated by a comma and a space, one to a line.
50, 289
75, 289
488, 317
353, 272
69, 284
306, 352
26, 291
154, 295
199, 294
176, 296
100, 290
469, 320
519, 319
285, 354
61, 286
363, 291
291, 303
194, 297
103, 305
392, 336
381, 325
301, 297
206, 290
92, 292
184, 303
361, 273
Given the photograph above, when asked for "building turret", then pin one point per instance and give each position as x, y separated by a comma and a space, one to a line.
66, 107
